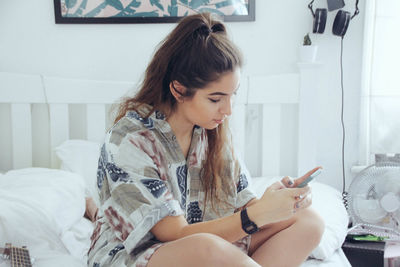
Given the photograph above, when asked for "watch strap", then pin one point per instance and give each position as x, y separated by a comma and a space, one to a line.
247, 225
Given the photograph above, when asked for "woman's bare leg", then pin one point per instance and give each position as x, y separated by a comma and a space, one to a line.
200, 250
287, 243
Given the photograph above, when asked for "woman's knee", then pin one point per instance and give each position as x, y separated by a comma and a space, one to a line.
312, 224
214, 249
199, 250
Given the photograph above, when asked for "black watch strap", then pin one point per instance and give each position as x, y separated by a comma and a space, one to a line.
247, 225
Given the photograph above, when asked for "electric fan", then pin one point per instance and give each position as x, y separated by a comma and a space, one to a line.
374, 201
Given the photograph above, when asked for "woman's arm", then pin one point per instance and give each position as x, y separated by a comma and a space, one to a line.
175, 227
275, 205
250, 203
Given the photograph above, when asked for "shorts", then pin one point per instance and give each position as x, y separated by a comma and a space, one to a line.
243, 244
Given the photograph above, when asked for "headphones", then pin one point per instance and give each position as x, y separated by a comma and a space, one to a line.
341, 22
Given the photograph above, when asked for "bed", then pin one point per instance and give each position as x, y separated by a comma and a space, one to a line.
52, 128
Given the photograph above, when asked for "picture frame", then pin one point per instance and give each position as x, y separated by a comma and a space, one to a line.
148, 11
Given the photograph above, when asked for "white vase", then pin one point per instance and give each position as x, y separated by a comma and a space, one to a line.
308, 53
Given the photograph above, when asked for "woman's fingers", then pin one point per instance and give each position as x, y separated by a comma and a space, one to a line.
276, 186
299, 193
279, 203
303, 203
287, 181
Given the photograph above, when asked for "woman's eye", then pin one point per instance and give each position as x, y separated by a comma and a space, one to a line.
213, 100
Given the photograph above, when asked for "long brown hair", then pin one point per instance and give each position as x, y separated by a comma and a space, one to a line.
197, 52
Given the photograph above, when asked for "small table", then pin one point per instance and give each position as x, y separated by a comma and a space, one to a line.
372, 254
364, 253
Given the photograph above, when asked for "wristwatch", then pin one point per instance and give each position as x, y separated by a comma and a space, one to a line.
247, 225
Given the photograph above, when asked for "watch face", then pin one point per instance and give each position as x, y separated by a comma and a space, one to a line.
251, 228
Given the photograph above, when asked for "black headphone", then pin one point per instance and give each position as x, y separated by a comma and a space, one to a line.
341, 22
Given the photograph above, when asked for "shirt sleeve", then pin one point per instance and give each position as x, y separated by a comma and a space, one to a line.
244, 192
137, 177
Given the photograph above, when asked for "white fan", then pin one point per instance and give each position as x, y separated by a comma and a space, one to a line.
374, 201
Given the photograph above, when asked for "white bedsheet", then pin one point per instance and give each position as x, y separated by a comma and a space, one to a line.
337, 259
43, 210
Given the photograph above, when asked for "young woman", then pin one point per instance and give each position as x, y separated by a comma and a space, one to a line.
172, 191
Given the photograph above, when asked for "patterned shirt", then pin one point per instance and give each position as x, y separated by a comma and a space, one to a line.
143, 177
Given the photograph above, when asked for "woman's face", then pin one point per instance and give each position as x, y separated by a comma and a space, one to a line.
211, 105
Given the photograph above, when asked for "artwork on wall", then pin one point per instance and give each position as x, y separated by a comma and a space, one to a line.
148, 11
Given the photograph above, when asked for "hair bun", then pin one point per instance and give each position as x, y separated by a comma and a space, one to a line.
203, 30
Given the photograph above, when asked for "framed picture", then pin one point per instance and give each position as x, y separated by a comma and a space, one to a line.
149, 11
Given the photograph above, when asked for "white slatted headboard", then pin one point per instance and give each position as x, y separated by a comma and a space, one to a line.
268, 133
32, 133
39, 113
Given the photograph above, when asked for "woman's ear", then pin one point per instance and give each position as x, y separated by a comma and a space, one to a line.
177, 90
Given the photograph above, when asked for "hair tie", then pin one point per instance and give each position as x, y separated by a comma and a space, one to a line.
218, 28
203, 31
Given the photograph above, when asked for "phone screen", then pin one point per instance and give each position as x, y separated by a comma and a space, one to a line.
309, 178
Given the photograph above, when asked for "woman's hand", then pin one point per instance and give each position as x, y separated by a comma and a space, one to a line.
279, 203
291, 183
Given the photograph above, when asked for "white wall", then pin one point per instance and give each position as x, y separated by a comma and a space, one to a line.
30, 42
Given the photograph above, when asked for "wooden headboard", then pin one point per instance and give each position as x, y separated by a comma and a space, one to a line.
38, 113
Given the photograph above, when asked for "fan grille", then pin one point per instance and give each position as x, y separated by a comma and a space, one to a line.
365, 193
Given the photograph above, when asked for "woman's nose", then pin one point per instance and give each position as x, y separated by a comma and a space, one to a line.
226, 109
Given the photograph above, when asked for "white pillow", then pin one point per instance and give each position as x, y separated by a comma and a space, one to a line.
39, 208
81, 156
59, 194
327, 201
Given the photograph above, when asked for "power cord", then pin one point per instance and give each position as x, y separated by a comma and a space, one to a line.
344, 192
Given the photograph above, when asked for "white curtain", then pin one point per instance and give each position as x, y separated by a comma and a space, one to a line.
384, 84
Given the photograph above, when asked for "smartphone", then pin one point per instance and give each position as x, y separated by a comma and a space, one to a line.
309, 178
